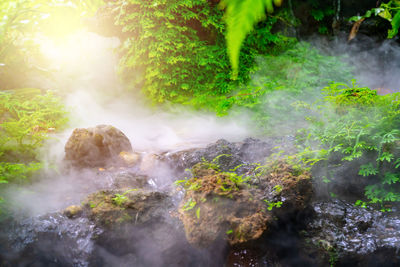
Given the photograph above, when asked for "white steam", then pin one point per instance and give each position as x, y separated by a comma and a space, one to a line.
376, 64
94, 95
84, 72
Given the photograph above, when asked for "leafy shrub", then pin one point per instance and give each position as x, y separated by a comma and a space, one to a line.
17, 172
355, 122
282, 78
176, 50
26, 119
322, 13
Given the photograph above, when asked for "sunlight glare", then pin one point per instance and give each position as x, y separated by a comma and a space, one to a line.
79, 48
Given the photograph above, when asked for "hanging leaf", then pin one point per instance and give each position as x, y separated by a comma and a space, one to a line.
395, 25
240, 18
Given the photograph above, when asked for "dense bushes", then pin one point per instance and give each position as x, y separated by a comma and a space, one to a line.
176, 50
299, 72
26, 119
354, 122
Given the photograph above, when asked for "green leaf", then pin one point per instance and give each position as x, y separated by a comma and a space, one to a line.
317, 14
386, 156
198, 213
367, 170
397, 163
240, 18
395, 25
390, 178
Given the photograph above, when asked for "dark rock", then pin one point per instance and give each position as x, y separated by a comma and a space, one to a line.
99, 146
230, 155
47, 240
344, 180
356, 236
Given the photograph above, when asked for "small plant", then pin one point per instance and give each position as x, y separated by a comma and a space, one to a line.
272, 205
226, 181
190, 204
120, 199
278, 188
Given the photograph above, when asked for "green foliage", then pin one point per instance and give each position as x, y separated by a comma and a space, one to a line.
355, 122
240, 17
367, 170
176, 51
389, 11
15, 172
190, 204
281, 79
322, 14
272, 205
226, 182
120, 199
26, 119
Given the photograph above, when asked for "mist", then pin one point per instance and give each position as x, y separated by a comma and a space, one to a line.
85, 74
375, 63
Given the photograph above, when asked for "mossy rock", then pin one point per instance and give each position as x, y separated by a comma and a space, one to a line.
238, 208
73, 211
126, 206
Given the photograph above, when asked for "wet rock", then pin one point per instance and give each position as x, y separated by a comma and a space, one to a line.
127, 179
135, 206
47, 240
129, 159
149, 163
73, 211
229, 155
354, 235
98, 146
239, 208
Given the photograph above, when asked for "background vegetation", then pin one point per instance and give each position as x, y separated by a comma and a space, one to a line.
225, 57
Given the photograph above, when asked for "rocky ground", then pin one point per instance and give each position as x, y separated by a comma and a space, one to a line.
228, 211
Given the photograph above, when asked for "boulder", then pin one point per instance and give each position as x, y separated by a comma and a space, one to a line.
113, 208
240, 208
98, 146
73, 211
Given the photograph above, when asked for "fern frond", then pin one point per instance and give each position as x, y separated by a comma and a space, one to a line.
240, 18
